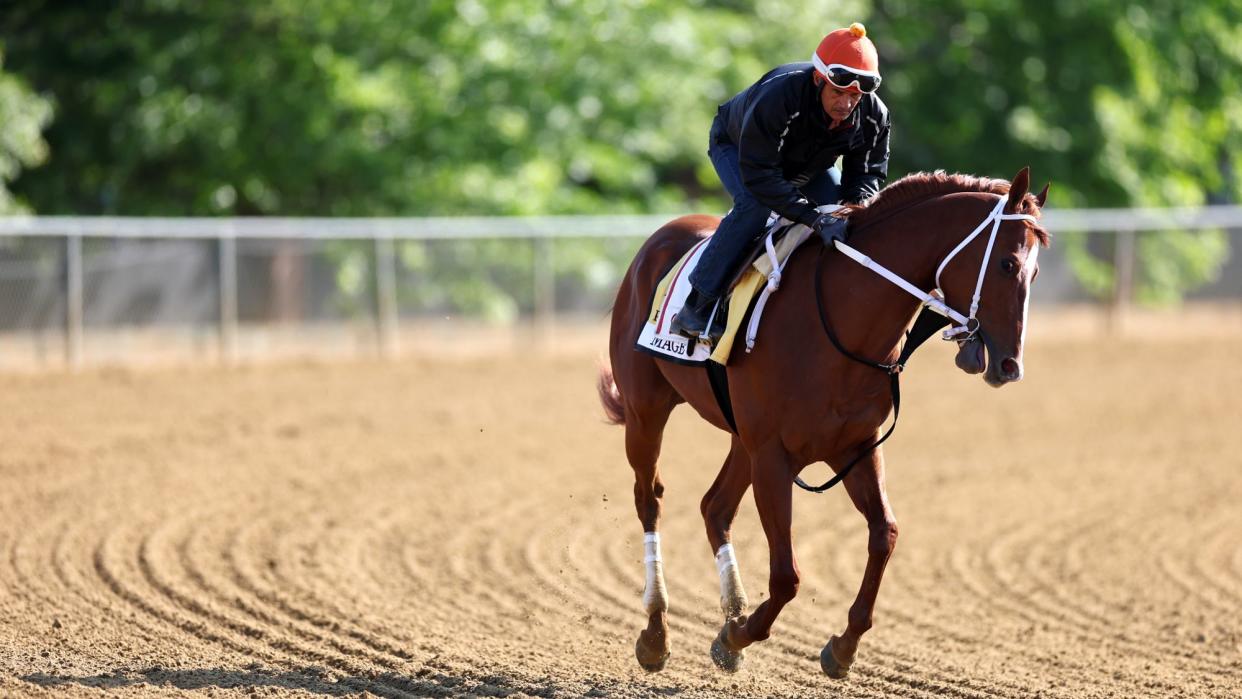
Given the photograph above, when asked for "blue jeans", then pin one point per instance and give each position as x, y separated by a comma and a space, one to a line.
742, 227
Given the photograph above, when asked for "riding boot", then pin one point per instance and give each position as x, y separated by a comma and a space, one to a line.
691, 320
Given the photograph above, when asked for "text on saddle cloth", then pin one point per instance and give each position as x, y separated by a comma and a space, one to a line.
762, 278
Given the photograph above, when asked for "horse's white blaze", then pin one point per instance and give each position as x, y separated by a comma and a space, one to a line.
732, 595
1029, 272
655, 594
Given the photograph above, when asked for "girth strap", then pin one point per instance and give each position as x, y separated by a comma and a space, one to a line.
718, 377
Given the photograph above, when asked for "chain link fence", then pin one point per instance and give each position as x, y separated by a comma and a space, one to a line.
82, 291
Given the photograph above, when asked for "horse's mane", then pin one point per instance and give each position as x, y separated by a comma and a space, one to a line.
919, 186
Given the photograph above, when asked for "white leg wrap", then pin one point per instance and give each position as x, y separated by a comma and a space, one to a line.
732, 595
655, 595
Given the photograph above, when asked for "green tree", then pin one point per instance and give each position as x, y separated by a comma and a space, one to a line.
331, 107
328, 107
24, 116
1119, 105
177, 107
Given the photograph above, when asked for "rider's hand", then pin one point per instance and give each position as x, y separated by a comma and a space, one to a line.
830, 229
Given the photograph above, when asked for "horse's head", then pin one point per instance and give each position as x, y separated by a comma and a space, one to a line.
1004, 298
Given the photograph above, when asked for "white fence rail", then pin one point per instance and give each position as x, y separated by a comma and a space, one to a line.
433, 228
225, 234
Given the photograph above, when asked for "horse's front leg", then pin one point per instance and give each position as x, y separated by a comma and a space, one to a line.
772, 481
865, 485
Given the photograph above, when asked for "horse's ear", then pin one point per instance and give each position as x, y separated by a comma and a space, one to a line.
1042, 196
1018, 188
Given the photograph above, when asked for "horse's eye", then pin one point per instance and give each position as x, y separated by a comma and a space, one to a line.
1008, 266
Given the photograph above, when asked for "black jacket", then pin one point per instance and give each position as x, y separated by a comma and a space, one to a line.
784, 140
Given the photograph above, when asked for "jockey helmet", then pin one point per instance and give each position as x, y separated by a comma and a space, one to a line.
847, 59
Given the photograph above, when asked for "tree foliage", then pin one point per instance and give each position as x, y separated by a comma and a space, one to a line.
326, 107
332, 107
1134, 105
23, 115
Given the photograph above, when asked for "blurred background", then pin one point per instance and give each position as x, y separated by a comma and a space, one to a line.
191, 180
207, 189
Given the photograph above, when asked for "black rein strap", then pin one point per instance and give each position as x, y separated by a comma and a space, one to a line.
924, 327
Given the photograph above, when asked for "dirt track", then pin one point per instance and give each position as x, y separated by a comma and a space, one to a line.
465, 527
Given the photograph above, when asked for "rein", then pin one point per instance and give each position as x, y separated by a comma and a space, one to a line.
924, 327
935, 315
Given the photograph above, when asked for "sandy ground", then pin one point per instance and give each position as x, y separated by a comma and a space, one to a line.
443, 527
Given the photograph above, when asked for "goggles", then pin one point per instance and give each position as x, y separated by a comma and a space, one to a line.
845, 78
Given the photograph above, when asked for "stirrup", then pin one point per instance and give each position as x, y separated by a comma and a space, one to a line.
712, 328
701, 309
679, 326
716, 320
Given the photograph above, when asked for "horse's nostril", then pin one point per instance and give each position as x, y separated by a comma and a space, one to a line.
1011, 367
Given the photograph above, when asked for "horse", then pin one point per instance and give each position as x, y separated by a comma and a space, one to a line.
798, 399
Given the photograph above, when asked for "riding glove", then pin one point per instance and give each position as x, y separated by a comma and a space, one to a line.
830, 229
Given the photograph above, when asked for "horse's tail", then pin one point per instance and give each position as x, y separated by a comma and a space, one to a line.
610, 397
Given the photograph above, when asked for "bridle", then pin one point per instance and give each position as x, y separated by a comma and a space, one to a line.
968, 325
935, 315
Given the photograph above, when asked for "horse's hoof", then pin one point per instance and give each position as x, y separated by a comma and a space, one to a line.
651, 661
832, 667
726, 658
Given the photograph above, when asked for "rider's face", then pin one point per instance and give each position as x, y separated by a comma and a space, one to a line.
838, 103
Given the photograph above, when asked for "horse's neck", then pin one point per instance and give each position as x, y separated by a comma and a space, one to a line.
908, 244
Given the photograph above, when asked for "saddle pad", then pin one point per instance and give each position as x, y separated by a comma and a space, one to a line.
669, 297
673, 289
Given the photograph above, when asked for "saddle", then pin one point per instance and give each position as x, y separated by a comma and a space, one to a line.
774, 232
756, 282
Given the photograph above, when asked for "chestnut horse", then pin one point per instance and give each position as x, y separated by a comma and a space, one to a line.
798, 400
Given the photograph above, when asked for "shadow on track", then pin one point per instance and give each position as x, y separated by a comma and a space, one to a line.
316, 680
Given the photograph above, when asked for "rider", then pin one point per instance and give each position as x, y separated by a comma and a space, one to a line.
774, 146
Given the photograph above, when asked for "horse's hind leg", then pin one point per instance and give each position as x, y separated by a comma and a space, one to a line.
644, 431
865, 485
719, 507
